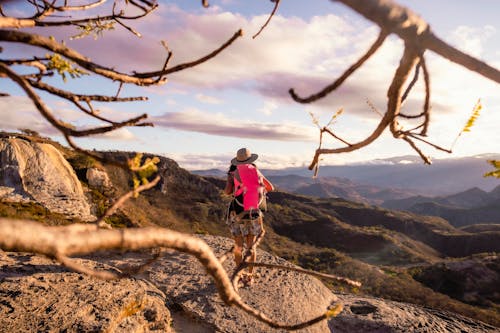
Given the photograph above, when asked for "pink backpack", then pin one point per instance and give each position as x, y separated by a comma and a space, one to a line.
248, 182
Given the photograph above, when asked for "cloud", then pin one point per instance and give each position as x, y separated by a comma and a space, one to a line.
208, 99
221, 161
292, 45
18, 112
472, 39
218, 124
121, 134
268, 107
291, 53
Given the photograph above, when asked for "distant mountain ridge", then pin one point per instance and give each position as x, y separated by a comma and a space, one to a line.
473, 206
443, 177
335, 187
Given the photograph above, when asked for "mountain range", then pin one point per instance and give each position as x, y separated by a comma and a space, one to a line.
470, 207
404, 173
453, 189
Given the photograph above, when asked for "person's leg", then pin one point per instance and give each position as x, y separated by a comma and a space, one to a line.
250, 241
238, 247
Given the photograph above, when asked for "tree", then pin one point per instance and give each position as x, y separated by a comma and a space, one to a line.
71, 240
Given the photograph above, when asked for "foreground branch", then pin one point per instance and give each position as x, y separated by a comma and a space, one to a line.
61, 242
418, 37
412, 28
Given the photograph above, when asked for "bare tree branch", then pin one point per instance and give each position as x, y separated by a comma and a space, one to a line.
61, 242
417, 35
37, 20
394, 101
63, 128
84, 62
328, 89
186, 65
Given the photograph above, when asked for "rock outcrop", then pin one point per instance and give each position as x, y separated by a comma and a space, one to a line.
37, 294
376, 315
38, 172
286, 297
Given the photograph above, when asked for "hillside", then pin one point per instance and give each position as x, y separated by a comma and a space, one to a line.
473, 279
356, 240
473, 206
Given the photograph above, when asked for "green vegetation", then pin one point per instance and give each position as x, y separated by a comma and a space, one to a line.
33, 211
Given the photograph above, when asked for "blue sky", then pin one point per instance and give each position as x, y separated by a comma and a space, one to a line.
239, 99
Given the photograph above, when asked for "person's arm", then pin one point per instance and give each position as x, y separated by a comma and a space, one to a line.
229, 189
267, 184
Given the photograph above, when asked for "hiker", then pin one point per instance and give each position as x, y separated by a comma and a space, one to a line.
248, 186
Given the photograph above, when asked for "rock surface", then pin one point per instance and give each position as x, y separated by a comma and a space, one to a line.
38, 172
375, 315
38, 295
99, 180
286, 297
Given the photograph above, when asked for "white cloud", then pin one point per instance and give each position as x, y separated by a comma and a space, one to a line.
268, 107
222, 161
19, 112
121, 134
219, 124
472, 39
208, 99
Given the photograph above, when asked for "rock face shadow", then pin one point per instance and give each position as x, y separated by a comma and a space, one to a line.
362, 308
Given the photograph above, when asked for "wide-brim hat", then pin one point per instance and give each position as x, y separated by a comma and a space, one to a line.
244, 156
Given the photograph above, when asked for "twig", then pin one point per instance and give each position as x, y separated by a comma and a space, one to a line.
183, 66
328, 89
426, 111
138, 34
412, 82
276, 4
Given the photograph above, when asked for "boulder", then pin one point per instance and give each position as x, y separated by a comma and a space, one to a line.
39, 172
98, 179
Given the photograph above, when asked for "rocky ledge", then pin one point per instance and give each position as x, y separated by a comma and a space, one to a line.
175, 295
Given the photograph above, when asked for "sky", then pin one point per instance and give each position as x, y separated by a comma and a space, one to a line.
240, 98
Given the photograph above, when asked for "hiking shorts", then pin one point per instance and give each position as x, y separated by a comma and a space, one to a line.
246, 227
